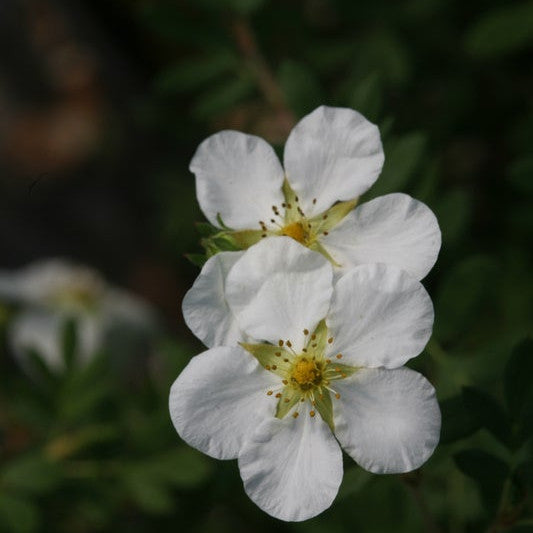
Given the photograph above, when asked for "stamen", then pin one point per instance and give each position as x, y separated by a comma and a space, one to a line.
313, 337
325, 233
267, 367
269, 393
286, 400
288, 343
286, 360
339, 356
278, 395
280, 342
330, 340
295, 415
278, 354
312, 413
324, 217
314, 200
285, 382
306, 332
274, 367
337, 395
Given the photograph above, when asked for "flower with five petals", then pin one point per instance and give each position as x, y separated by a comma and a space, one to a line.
319, 366
332, 156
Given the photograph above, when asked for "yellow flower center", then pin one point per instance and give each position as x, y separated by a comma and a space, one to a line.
296, 231
306, 373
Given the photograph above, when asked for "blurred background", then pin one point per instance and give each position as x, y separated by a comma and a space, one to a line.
102, 104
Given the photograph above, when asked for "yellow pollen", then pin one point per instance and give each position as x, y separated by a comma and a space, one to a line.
305, 373
295, 231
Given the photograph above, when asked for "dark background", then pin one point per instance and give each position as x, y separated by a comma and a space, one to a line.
102, 105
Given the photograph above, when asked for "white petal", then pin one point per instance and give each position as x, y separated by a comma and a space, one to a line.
238, 176
279, 288
205, 309
42, 331
219, 398
387, 420
379, 316
394, 229
292, 468
332, 154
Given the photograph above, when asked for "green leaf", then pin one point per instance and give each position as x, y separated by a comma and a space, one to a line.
519, 385
367, 96
402, 158
488, 471
69, 343
487, 412
223, 96
453, 210
205, 229
501, 31
18, 515
456, 422
30, 474
197, 259
188, 75
461, 295
300, 86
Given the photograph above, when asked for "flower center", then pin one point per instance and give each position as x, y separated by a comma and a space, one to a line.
306, 373
296, 231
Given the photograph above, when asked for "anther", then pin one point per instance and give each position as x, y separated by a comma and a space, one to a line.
286, 400
328, 361
288, 343
286, 360
267, 367
269, 393
324, 217
330, 340
296, 199
295, 415
289, 206
278, 354
325, 233
263, 236
272, 220
285, 382
274, 367
314, 345
339, 356
306, 332
304, 350
280, 342
283, 204
337, 395
313, 337
278, 395
312, 413
314, 200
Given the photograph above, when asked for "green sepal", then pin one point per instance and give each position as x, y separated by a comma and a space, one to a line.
324, 406
205, 229
266, 355
317, 247
221, 242
321, 339
197, 259
336, 370
293, 396
246, 238
221, 223
291, 215
334, 215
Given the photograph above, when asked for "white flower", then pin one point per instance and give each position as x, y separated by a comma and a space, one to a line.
332, 154
320, 368
51, 291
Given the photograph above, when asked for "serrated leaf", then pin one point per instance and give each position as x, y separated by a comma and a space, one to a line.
487, 412
501, 31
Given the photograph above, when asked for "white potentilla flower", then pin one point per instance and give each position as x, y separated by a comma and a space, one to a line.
332, 156
49, 292
320, 368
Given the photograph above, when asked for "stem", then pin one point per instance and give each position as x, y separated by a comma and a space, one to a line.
413, 481
247, 44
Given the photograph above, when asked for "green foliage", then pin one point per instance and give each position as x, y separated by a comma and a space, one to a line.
501, 30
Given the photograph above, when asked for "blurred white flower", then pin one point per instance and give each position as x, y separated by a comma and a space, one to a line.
319, 368
331, 155
52, 291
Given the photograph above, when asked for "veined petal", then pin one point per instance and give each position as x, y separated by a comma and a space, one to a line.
205, 309
219, 398
394, 229
388, 421
332, 154
292, 468
239, 177
279, 288
379, 316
